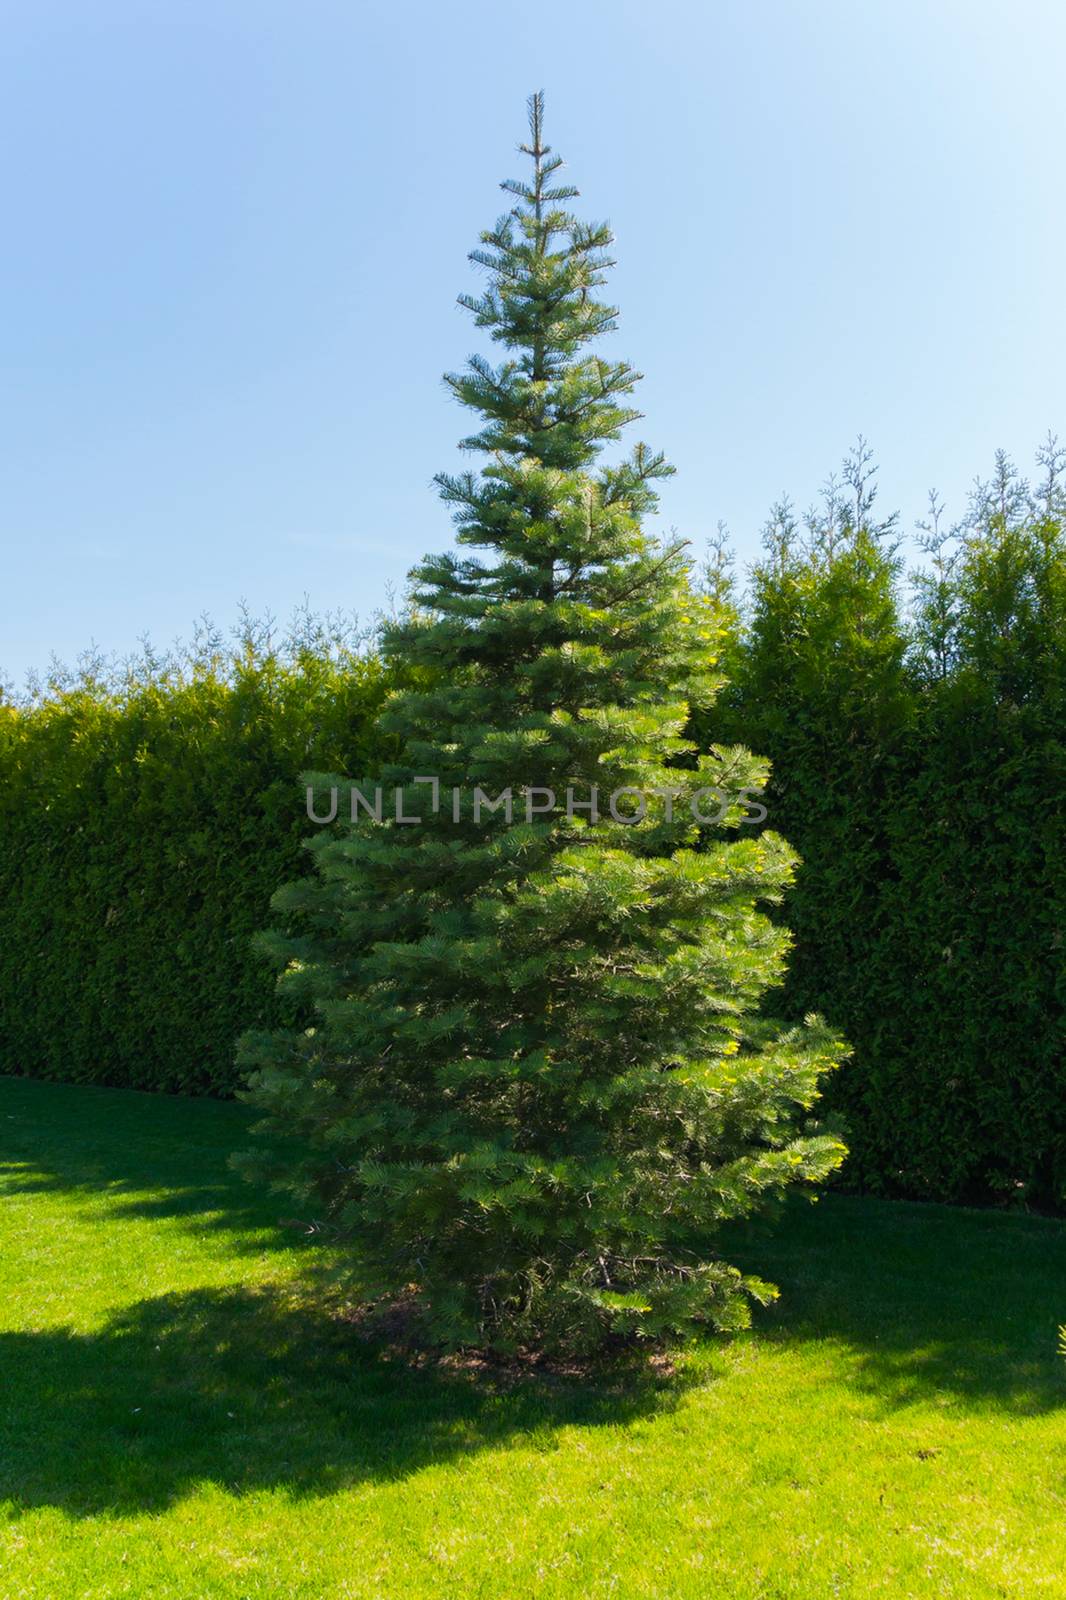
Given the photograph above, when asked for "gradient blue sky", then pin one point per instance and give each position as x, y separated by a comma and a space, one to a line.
234, 234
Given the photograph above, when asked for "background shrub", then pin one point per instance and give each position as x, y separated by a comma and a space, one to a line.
145, 815
918, 767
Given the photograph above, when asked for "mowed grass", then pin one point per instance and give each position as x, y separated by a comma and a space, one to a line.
179, 1420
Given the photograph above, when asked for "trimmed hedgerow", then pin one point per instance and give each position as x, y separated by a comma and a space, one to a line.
919, 768
145, 820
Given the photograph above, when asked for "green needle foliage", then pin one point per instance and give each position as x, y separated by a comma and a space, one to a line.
537, 1083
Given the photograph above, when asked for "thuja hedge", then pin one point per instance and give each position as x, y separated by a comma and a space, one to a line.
919, 766
146, 818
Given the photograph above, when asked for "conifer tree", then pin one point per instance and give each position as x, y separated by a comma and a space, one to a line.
536, 1082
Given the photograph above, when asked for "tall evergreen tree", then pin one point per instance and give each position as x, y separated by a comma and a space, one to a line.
535, 1084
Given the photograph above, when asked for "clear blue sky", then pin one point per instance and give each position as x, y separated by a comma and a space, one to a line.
234, 234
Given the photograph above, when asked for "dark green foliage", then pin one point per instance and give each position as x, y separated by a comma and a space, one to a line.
918, 768
969, 1089
143, 823
817, 682
535, 1086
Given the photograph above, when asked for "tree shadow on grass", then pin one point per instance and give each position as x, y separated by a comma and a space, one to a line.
251, 1390
915, 1304
929, 1304
248, 1388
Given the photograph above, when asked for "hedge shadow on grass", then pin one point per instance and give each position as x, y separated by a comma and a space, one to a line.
139, 1156
930, 1303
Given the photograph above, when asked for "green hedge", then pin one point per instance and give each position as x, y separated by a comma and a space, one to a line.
919, 769
144, 826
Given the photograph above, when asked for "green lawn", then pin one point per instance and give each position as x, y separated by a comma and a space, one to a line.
179, 1421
